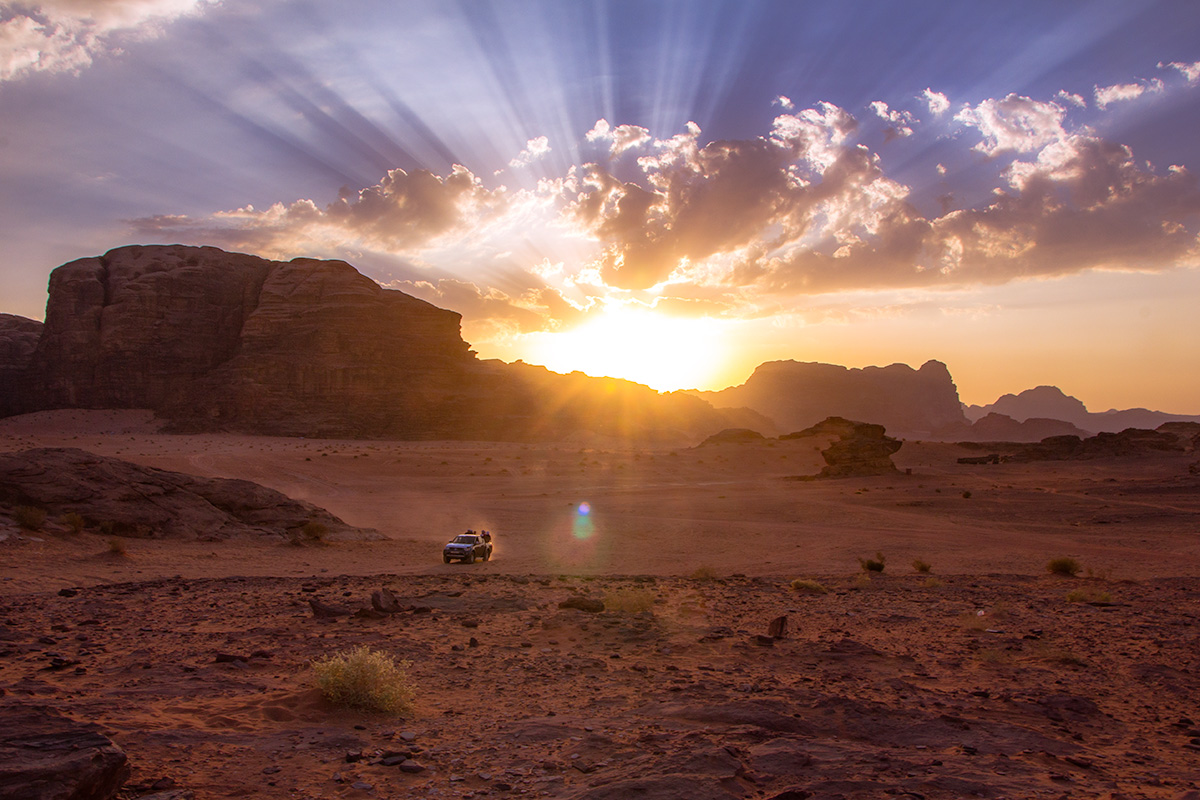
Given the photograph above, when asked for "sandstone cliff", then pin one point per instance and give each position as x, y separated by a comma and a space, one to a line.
18, 339
222, 341
913, 403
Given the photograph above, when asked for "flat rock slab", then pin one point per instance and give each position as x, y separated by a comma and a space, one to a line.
46, 756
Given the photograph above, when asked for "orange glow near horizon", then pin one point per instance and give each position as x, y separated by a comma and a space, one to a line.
663, 352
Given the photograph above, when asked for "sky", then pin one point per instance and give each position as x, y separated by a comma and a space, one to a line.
671, 192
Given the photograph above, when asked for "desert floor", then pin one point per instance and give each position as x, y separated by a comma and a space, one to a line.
985, 680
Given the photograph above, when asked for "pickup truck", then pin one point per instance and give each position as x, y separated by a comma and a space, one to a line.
466, 547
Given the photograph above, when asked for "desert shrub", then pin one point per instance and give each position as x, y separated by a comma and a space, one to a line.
922, 567
365, 679
862, 581
1063, 566
117, 547
107, 527
29, 518
73, 521
872, 564
931, 583
967, 494
629, 601
704, 573
808, 586
1088, 596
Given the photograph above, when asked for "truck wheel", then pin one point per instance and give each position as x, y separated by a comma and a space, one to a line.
470, 558
446, 559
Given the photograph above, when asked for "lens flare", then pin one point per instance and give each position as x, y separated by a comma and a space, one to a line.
585, 508
576, 541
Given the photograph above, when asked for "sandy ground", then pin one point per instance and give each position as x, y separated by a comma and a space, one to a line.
985, 680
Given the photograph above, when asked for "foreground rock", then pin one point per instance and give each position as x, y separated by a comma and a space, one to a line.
46, 756
125, 499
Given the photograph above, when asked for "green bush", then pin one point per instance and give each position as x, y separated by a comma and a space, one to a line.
30, 518
365, 679
1066, 566
872, 564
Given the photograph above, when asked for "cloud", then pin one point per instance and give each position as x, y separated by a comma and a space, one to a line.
746, 227
1120, 92
67, 35
784, 102
1014, 123
403, 212
534, 149
620, 138
1071, 98
1189, 71
938, 103
901, 121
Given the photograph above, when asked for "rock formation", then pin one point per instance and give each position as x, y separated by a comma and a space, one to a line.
18, 339
1171, 437
222, 341
913, 403
1049, 402
734, 436
861, 449
1000, 428
124, 499
46, 756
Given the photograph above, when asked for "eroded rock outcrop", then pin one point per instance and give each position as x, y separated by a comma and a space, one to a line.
125, 499
913, 403
861, 449
18, 339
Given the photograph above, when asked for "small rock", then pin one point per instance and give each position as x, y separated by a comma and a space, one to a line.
363, 785
591, 605
67, 592
408, 765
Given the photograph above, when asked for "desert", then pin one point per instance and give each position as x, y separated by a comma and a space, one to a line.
599, 400
987, 677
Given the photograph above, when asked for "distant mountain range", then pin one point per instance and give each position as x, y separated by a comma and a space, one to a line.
212, 340
1049, 402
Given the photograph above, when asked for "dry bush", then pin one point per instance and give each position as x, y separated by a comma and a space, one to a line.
73, 521
862, 581
808, 586
629, 601
922, 567
1064, 565
872, 564
365, 679
704, 573
29, 518
1088, 596
931, 583
117, 547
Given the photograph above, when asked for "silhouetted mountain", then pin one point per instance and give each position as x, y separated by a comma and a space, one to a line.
1049, 402
224, 341
1000, 428
911, 403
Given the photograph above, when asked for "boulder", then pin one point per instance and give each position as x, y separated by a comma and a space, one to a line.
46, 756
861, 449
125, 499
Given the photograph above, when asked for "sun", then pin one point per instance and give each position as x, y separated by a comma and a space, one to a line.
663, 352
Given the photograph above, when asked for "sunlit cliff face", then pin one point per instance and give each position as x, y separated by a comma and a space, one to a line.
665, 192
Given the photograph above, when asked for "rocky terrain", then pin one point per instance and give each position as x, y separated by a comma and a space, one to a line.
655, 646
962, 686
